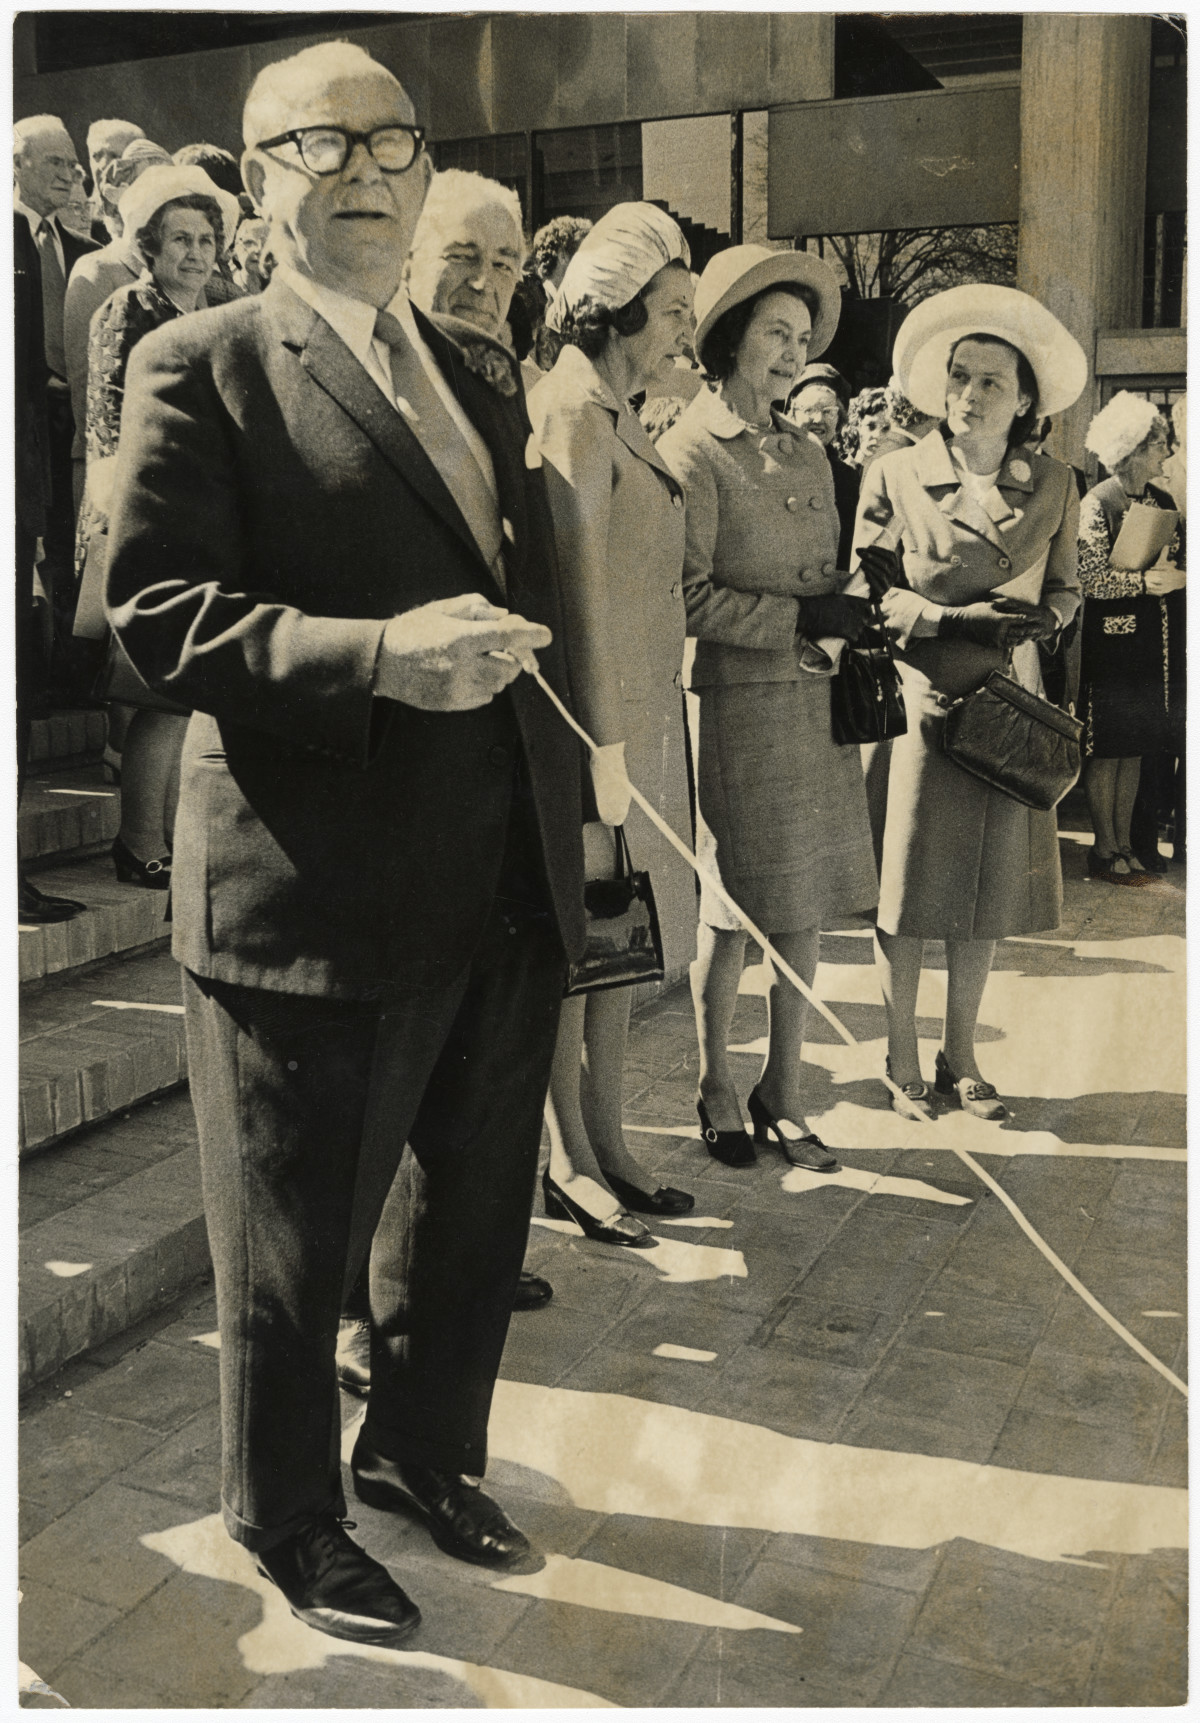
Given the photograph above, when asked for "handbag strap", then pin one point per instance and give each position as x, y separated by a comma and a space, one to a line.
624, 859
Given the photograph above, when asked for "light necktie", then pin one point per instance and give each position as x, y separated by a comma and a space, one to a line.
444, 443
54, 292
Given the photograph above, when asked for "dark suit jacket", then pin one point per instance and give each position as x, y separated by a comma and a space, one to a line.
271, 511
30, 373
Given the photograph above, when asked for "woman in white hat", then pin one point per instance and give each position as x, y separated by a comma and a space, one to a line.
623, 310
783, 812
987, 531
1132, 636
179, 222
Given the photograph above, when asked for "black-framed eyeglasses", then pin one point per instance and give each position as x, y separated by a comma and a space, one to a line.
327, 149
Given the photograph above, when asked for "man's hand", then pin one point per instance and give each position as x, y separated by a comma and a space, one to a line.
1164, 578
441, 657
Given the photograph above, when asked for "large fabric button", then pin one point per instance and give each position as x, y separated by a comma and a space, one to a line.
793, 503
498, 756
828, 567
815, 503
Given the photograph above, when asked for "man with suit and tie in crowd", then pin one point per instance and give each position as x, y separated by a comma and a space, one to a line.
325, 540
462, 271
44, 253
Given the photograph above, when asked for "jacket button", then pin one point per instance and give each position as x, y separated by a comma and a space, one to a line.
498, 756
1004, 562
815, 503
677, 679
676, 500
828, 567
793, 503
956, 562
676, 588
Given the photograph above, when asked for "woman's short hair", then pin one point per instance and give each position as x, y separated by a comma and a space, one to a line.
148, 239
1024, 425
718, 355
587, 324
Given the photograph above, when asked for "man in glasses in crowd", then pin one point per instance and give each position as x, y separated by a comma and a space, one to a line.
326, 541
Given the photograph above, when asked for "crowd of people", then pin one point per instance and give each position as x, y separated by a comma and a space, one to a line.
351, 458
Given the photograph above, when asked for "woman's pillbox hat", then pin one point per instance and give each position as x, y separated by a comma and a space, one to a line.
625, 250
932, 329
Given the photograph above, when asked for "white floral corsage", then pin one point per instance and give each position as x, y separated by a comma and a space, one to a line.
1021, 471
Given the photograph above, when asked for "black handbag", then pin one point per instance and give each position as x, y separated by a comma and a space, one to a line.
865, 701
1015, 741
624, 945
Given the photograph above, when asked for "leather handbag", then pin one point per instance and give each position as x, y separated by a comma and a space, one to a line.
1015, 741
119, 681
624, 945
865, 702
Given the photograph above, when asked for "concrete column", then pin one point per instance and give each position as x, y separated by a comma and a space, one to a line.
1085, 97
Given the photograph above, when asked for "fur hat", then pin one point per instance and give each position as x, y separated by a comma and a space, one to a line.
1119, 428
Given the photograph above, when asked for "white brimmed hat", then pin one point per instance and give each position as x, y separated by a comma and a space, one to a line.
742, 271
162, 185
928, 334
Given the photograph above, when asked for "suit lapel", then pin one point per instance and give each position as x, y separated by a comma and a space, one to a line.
332, 366
941, 478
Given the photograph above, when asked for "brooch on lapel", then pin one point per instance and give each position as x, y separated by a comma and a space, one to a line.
491, 363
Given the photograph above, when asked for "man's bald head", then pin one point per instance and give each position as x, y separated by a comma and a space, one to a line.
43, 162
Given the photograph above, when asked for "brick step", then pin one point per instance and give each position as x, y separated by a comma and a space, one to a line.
119, 918
66, 812
69, 737
112, 1228
82, 1060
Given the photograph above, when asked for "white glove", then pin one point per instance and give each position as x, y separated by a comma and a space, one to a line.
610, 785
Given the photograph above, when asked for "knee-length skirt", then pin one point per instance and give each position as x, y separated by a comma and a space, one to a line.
960, 859
783, 808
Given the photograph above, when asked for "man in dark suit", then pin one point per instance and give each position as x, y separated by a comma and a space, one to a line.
325, 539
44, 253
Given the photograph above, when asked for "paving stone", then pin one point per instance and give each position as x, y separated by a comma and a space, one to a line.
990, 1610
969, 1394
545, 1352
709, 1559
86, 1688
877, 1426
880, 1260
1067, 1447
1123, 1280
187, 1466
160, 1387
609, 1370
67, 1452
373, 1686
33, 1517
871, 1564
684, 1316
795, 1395
976, 1328
924, 1681
1143, 1659
1137, 1230
1075, 1327
628, 1659
1122, 1392
847, 1334
1154, 1185
462, 1615
1170, 1463
97, 1544
53, 1624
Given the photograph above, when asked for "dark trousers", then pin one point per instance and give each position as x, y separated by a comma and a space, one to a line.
304, 1106
29, 652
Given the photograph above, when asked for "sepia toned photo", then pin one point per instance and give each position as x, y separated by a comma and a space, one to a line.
600, 683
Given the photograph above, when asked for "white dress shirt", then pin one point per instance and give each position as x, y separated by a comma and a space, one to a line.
353, 322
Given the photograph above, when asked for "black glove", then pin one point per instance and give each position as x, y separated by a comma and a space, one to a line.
881, 568
1030, 621
836, 614
982, 624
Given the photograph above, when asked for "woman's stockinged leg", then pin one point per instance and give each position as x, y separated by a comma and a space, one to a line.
1129, 772
898, 965
968, 965
1100, 788
150, 782
715, 977
571, 1153
605, 1039
779, 1085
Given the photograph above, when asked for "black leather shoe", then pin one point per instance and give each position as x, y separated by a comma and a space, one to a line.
132, 870
532, 1292
333, 1585
732, 1148
621, 1229
807, 1151
461, 1519
354, 1356
665, 1200
36, 907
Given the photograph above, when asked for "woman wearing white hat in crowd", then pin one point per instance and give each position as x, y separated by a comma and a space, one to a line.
178, 222
1128, 655
782, 808
987, 531
624, 308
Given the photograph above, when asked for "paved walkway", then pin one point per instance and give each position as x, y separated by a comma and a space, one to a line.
834, 1442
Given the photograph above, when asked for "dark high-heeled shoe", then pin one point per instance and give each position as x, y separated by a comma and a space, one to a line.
802, 1151
732, 1148
131, 870
622, 1230
972, 1093
665, 1200
917, 1102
